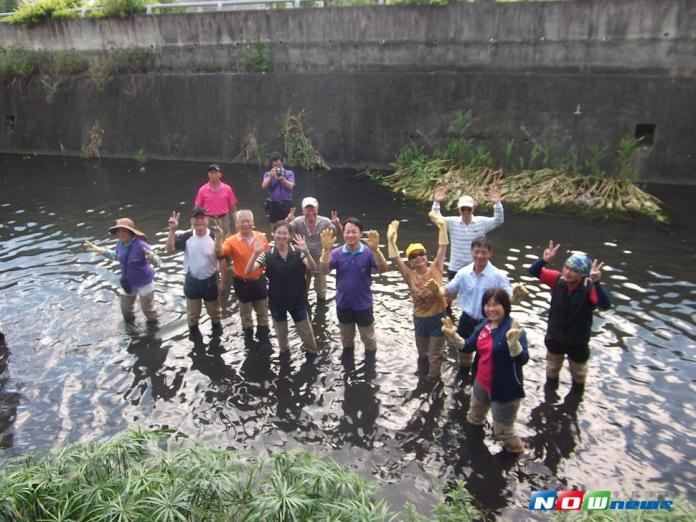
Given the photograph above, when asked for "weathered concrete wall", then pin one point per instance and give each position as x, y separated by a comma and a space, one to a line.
372, 79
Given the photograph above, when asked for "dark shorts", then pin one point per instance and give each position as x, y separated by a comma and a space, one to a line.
359, 317
466, 325
428, 326
277, 210
579, 353
206, 289
281, 314
249, 290
451, 274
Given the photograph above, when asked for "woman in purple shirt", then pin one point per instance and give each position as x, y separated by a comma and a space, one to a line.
137, 275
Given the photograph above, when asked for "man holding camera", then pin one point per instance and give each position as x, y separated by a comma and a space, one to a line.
279, 182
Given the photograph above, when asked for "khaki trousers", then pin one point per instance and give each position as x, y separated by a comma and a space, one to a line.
261, 309
194, 307
433, 348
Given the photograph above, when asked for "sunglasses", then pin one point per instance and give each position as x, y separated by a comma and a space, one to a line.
417, 254
465, 209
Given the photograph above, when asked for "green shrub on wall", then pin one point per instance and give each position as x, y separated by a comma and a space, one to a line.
29, 14
118, 8
16, 63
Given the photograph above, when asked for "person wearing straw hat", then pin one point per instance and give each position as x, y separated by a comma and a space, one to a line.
428, 306
575, 293
137, 275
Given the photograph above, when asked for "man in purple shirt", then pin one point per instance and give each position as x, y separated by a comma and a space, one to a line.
279, 182
354, 264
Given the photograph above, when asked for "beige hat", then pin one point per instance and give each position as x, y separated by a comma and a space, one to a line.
128, 225
310, 201
465, 201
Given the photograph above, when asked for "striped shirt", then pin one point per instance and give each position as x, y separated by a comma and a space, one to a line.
461, 235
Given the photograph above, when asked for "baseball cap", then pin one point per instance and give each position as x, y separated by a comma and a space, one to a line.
465, 201
214, 166
310, 201
198, 211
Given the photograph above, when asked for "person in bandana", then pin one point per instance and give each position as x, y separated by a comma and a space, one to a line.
575, 293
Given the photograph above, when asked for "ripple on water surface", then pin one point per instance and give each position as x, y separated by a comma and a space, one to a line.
75, 371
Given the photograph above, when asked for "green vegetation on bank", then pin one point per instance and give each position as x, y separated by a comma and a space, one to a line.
131, 478
541, 180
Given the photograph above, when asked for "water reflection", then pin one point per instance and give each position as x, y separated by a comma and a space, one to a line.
80, 372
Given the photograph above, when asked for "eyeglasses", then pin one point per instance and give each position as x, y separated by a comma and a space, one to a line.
465, 209
417, 254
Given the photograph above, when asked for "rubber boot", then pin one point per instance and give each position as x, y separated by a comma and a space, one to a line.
127, 304
477, 412
505, 432
263, 333
423, 364
436, 357
147, 305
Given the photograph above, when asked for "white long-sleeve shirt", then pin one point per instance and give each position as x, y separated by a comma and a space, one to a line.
461, 235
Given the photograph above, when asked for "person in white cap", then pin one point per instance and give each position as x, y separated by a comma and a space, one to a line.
309, 225
464, 228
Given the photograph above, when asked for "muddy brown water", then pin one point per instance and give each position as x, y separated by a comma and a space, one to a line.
75, 371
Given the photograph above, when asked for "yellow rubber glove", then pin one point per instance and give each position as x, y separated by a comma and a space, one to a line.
392, 235
328, 238
435, 288
519, 292
513, 339
441, 224
450, 332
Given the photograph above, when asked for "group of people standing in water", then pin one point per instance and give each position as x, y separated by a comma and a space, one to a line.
274, 279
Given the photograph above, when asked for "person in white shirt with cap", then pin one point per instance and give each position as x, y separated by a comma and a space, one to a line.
309, 225
464, 228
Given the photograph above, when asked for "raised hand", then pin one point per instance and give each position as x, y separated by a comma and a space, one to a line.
596, 271
435, 287
327, 239
335, 220
440, 194
513, 339
437, 219
519, 292
448, 327
150, 256
91, 247
494, 194
174, 221
300, 241
291, 215
372, 240
550, 252
393, 231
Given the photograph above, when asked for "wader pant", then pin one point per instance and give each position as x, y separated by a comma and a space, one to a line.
252, 296
302, 325
205, 290
147, 303
504, 415
430, 342
319, 284
347, 321
577, 361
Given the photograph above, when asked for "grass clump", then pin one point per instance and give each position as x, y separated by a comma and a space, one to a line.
95, 138
256, 57
122, 61
16, 64
131, 478
29, 14
252, 149
543, 180
299, 150
118, 8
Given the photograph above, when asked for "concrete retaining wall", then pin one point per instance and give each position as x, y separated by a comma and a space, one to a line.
371, 79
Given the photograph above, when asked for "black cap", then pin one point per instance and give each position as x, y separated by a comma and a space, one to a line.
198, 211
215, 166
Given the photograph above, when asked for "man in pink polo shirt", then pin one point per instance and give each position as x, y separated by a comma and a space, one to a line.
218, 199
